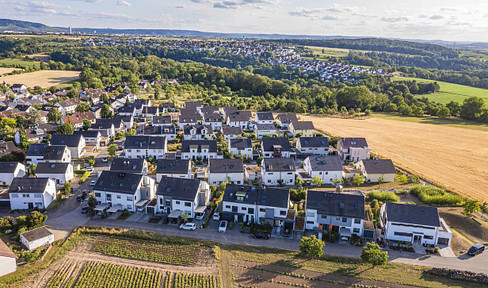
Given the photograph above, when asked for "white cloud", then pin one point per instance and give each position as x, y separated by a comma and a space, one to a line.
394, 19
123, 3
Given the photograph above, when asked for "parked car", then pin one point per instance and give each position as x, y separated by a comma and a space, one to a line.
105, 160
223, 226
85, 192
92, 183
216, 216
84, 209
80, 198
188, 226
200, 216
476, 249
261, 235
89, 168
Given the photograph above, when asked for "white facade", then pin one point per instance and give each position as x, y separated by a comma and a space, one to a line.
41, 199
158, 153
6, 178
31, 245
326, 176
60, 178
314, 219
312, 150
216, 125
374, 177
247, 151
261, 133
7, 265
128, 201
166, 204
253, 212
174, 175
217, 178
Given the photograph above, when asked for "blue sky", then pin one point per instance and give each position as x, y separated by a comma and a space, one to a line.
411, 19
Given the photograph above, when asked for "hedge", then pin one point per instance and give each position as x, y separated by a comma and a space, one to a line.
85, 176
432, 195
382, 196
79, 172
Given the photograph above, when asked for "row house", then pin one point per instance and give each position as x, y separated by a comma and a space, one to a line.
30, 193
275, 147
213, 120
222, 170
175, 168
353, 149
313, 145
231, 132
206, 110
191, 119
278, 171
164, 120
240, 119
145, 147
264, 118
328, 168
197, 132
11, 170
200, 149
61, 173
39, 153
241, 146
75, 143
160, 131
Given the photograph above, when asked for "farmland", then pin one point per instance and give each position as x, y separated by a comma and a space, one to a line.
19, 63
444, 155
44, 78
7, 70
449, 92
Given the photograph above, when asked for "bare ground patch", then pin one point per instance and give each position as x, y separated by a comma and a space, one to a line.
44, 78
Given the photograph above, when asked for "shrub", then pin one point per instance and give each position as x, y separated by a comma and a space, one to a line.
403, 179
373, 254
435, 196
382, 196
84, 177
311, 247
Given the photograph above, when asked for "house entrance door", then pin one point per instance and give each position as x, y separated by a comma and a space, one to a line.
417, 239
30, 205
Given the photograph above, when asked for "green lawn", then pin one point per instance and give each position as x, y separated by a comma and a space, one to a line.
449, 92
19, 62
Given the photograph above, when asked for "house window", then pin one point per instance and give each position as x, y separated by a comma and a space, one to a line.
234, 209
26, 195
168, 203
262, 210
188, 204
428, 237
338, 218
227, 206
310, 214
129, 198
243, 208
403, 234
14, 195
357, 221
177, 202
323, 216
129, 207
355, 230
161, 201
97, 194
310, 222
250, 210
282, 213
344, 219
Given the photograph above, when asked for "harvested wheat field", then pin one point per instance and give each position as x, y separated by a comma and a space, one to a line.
451, 157
4, 70
44, 78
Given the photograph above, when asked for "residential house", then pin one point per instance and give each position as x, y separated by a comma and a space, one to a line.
93, 139
275, 147
166, 107
68, 106
129, 165
129, 110
176, 168
106, 128
76, 143
124, 190
262, 130
241, 146
9, 171
149, 111
278, 171
19, 88
195, 105
180, 195
38, 133
303, 128
342, 213
127, 121
198, 132
213, 119
374, 169
36, 238
353, 149
8, 259
240, 119
60, 172
231, 132
77, 119
39, 153
164, 120
145, 147
221, 170
200, 149
264, 118
313, 145
209, 110
250, 204
30, 193
186, 119
229, 110
119, 125
328, 168
160, 131
285, 119
416, 224
7, 148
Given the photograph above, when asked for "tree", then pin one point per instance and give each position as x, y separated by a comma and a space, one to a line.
312, 247
104, 98
32, 169
82, 107
444, 112
112, 149
86, 124
106, 112
36, 219
381, 180
54, 115
34, 117
66, 129
336, 180
373, 254
298, 194
470, 207
316, 180
472, 108
67, 188
91, 161
358, 180
92, 201
24, 140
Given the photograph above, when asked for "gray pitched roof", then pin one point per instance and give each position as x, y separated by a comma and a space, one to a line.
28, 185
265, 116
314, 142
8, 167
303, 125
199, 129
177, 166
36, 149
240, 116
166, 119
36, 234
346, 143
89, 133
268, 143
336, 204
54, 152
158, 130
118, 182
127, 165
7, 147
227, 130
103, 124
379, 166
210, 109
212, 144
178, 188
279, 164
287, 118
151, 110
241, 143
412, 214
213, 117
273, 197
52, 168
68, 140
226, 166
144, 142
326, 163
193, 104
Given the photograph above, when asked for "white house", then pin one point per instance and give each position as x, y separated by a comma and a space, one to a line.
187, 118
75, 143
30, 193
198, 132
38, 153
9, 171
240, 119
304, 128
93, 138
8, 259
373, 169
176, 168
275, 147
145, 147
37, 238
68, 106
124, 190
241, 146
353, 149
60, 172
259, 205
200, 149
105, 127
129, 165
313, 145
150, 111
221, 170
328, 168
284, 120
128, 121
262, 130
160, 131
342, 213
278, 171
414, 223
214, 120
264, 118
19, 88
231, 132
176, 196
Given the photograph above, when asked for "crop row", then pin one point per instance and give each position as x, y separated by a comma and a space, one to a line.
182, 280
149, 251
59, 277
